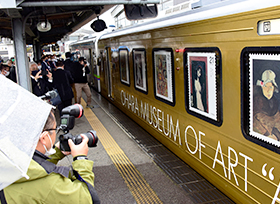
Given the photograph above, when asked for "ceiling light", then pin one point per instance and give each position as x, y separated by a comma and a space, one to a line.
44, 26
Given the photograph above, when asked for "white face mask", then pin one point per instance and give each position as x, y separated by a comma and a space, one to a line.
6, 73
39, 67
51, 150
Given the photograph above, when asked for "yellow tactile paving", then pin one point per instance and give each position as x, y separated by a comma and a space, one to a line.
136, 183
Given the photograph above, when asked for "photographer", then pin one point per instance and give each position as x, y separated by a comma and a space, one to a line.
80, 71
49, 183
40, 84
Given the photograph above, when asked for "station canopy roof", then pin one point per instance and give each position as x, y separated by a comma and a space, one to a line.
64, 16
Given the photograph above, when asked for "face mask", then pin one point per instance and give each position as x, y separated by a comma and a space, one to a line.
51, 150
39, 66
7, 73
34, 72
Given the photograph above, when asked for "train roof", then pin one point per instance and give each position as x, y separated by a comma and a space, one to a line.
218, 9
84, 41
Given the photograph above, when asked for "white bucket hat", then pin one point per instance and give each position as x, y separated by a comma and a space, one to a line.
268, 76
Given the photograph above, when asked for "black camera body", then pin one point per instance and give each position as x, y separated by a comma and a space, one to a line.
68, 122
77, 139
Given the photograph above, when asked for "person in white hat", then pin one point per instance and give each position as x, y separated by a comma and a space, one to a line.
266, 116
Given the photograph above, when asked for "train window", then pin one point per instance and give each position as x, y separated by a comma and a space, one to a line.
163, 69
124, 66
260, 75
203, 79
140, 70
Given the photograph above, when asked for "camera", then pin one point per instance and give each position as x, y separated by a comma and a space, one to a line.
68, 116
77, 139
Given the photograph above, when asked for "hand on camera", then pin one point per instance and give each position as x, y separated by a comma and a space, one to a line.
63, 152
80, 149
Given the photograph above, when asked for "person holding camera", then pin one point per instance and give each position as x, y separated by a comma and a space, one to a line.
40, 84
49, 183
80, 71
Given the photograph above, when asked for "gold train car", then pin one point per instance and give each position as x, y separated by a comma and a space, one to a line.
205, 83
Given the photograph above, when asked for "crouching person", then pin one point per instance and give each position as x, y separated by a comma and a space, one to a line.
49, 183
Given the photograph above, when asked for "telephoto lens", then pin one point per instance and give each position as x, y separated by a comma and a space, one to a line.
77, 139
92, 138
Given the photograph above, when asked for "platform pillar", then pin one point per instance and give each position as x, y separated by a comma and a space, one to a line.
22, 64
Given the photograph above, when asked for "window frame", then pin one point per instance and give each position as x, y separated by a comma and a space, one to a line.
142, 52
166, 53
127, 67
203, 55
245, 92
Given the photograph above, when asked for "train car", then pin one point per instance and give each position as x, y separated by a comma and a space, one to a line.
205, 83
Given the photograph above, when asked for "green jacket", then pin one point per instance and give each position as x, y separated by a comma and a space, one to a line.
51, 188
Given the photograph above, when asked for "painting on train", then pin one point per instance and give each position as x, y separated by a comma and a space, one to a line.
163, 75
124, 66
264, 94
202, 83
140, 70
199, 88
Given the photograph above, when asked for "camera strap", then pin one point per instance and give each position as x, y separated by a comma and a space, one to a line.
92, 191
64, 171
2, 197
49, 166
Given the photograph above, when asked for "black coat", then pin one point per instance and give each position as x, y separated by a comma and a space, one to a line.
12, 74
68, 65
79, 76
61, 81
41, 86
45, 66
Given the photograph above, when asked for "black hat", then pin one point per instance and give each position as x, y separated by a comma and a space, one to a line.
81, 59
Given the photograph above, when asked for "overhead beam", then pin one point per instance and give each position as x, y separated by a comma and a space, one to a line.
13, 13
86, 3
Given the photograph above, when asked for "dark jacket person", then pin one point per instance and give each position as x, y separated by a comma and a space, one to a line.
61, 81
80, 79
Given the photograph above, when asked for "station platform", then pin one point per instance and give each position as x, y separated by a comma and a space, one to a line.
130, 166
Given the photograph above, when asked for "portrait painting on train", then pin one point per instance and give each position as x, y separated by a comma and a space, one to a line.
264, 76
202, 84
139, 67
124, 66
163, 74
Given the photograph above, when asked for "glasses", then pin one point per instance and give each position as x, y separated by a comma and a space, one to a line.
51, 129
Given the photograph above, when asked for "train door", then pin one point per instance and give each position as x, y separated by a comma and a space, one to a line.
95, 71
108, 72
86, 52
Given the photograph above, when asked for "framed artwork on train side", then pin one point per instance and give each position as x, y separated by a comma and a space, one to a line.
203, 71
140, 70
124, 66
260, 74
163, 71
